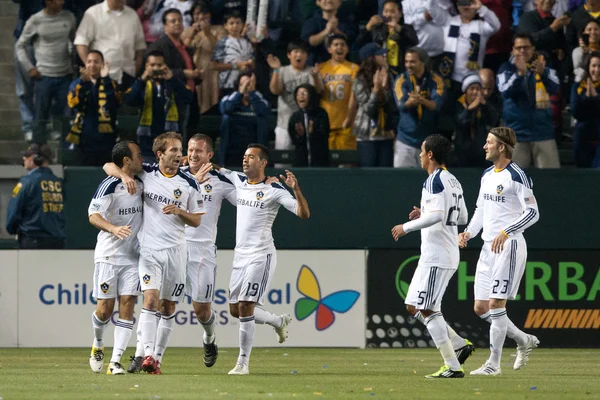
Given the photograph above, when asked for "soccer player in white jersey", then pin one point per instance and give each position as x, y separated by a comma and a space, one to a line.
442, 209
255, 257
171, 201
118, 215
202, 252
506, 207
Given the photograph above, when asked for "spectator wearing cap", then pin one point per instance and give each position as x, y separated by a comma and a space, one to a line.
388, 31
35, 211
473, 119
373, 124
419, 95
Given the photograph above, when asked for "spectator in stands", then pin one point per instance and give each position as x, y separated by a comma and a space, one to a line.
178, 58
145, 12
162, 98
284, 82
589, 42
221, 8
473, 119
337, 75
585, 108
35, 211
490, 91
419, 96
233, 56
373, 126
498, 48
184, 7
388, 31
579, 19
115, 30
526, 84
95, 100
245, 113
316, 30
465, 40
203, 36
428, 19
50, 32
308, 128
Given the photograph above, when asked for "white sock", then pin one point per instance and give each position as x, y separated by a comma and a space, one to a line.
209, 328
436, 325
99, 327
419, 317
497, 334
457, 341
247, 328
123, 329
511, 330
265, 317
139, 345
163, 333
148, 329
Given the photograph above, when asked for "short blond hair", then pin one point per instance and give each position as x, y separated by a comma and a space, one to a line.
507, 137
160, 142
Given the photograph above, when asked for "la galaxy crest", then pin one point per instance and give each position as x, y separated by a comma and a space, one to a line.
208, 188
146, 279
499, 189
104, 287
177, 193
260, 195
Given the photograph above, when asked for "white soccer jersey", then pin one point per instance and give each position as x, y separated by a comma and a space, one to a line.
118, 207
441, 194
257, 207
505, 203
213, 192
163, 231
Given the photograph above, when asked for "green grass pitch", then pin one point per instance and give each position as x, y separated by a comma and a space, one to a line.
285, 373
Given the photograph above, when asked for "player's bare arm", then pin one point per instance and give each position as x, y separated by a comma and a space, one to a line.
121, 232
463, 238
498, 242
202, 174
190, 219
292, 182
111, 169
398, 232
415, 213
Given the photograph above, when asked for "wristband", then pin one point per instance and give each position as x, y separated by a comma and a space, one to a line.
233, 65
276, 70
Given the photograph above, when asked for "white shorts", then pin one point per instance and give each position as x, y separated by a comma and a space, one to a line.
201, 272
164, 270
251, 277
283, 141
406, 156
427, 287
111, 281
498, 275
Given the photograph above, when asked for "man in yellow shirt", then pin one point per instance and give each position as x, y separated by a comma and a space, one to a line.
337, 75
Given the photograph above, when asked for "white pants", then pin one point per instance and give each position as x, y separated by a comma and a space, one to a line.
283, 142
406, 156
111, 281
251, 277
201, 272
427, 287
164, 270
498, 275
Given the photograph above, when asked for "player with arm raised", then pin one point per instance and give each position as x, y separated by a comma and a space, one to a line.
172, 200
506, 207
118, 215
255, 257
442, 209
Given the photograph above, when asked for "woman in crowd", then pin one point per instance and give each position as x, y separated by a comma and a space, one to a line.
589, 41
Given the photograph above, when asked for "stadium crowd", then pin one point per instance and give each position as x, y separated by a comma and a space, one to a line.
376, 76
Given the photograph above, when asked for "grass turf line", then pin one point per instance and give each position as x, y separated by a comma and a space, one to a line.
299, 373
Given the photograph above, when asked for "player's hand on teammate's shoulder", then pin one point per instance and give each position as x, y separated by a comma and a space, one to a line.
202, 174
463, 238
271, 179
129, 184
172, 209
398, 232
498, 242
290, 179
415, 213
121, 232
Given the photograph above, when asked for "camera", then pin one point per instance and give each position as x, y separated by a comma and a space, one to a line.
156, 73
463, 3
585, 37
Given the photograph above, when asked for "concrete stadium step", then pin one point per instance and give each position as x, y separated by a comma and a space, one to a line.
11, 151
9, 9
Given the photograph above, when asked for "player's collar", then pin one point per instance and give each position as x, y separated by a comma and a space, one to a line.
256, 183
166, 175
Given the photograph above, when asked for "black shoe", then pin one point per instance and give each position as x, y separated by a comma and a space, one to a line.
135, 365
211, 352
464, 352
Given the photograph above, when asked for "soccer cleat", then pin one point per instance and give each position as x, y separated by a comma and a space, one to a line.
282, 330
97, 359
211, 352
115, 369
148, 364
156, 369
446, 372
523, 352
240, 369
464, 352
487, 369
135, 365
